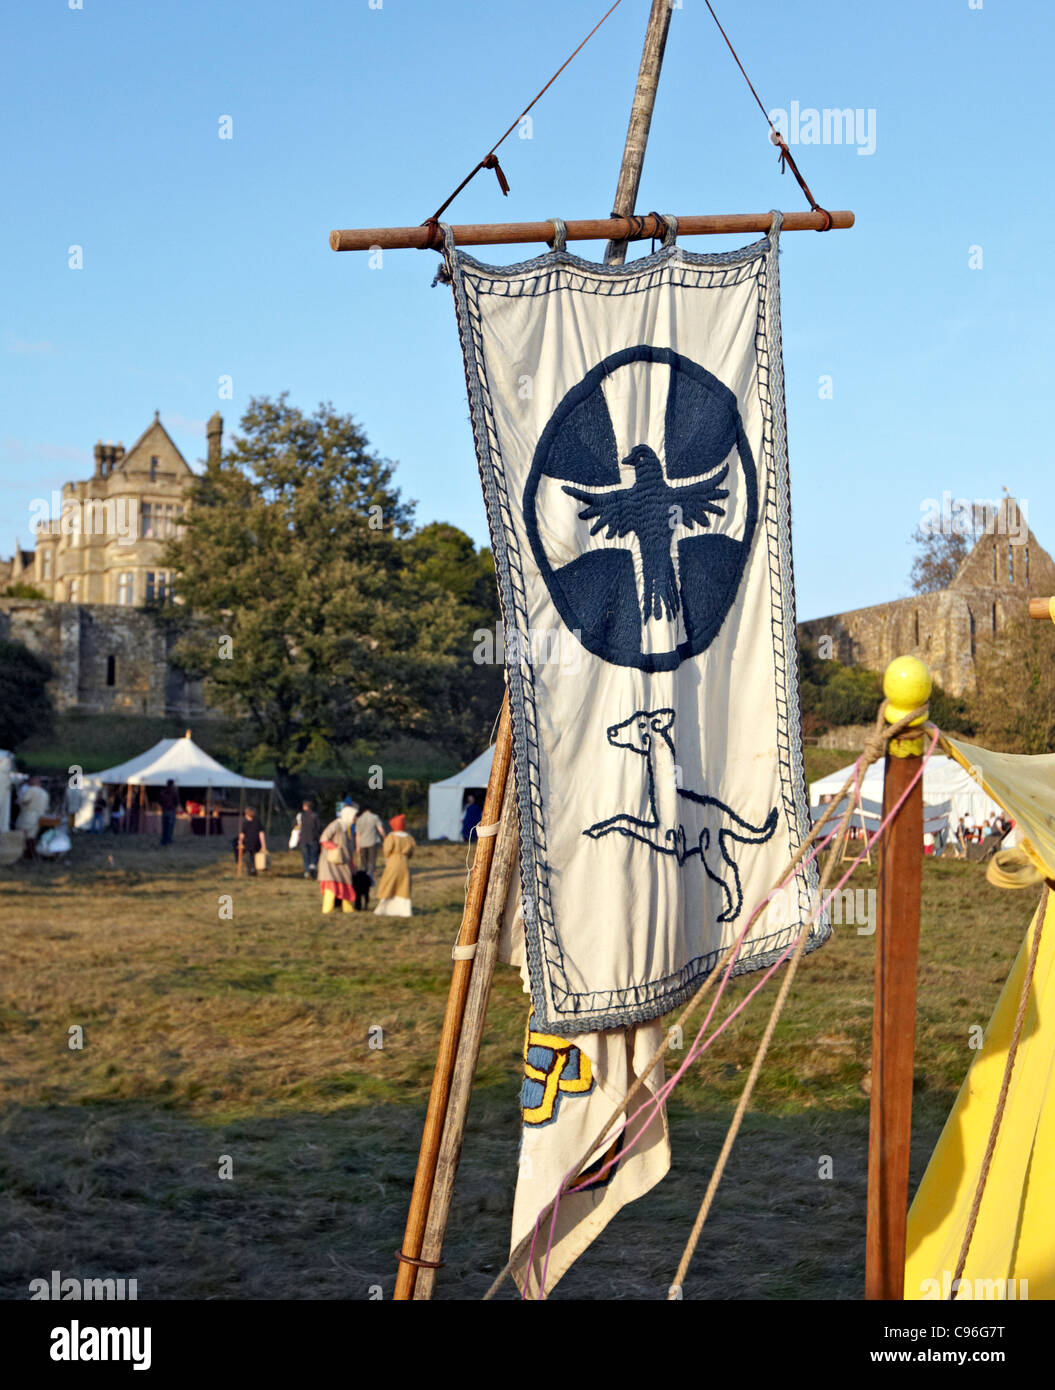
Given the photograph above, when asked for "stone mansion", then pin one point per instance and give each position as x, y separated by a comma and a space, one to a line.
101, 541
98, 560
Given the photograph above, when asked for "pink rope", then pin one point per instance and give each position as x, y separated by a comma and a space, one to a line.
699, 1045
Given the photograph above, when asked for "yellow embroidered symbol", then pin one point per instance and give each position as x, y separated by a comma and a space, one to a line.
552, 1067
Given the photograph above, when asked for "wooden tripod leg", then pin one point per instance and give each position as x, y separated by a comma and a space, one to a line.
894, 1032
502, 870
424, 1178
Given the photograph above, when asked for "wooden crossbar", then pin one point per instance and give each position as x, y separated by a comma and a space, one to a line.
600, 229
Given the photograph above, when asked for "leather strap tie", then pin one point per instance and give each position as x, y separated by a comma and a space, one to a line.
419, 1264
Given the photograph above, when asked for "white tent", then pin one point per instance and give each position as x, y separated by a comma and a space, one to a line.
7, 767
183, 761
943, 780
445, 798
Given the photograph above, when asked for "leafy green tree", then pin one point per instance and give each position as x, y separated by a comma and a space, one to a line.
318, 618
26, 710
20, 589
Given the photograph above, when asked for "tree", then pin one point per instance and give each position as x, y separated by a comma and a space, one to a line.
317, 618
20, 589
1014, 701
939, 554
26, 710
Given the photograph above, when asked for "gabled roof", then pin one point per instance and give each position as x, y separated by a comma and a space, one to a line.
155, 431
1010, 525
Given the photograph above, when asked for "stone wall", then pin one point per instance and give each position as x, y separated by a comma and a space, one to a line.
104, 659
944, 629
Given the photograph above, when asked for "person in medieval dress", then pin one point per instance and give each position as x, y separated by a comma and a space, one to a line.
337, 862
393, 892
32, 804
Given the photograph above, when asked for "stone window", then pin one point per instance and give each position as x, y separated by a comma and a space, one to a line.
994, 617
994, 562
75, 585
1025, 554
46, 562
157, 586
1010, 563
147, 514
153, 468
970, 617
126, 588
111, 670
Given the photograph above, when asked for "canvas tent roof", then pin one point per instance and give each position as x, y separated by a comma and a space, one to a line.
183, 761
943, 780
445, 798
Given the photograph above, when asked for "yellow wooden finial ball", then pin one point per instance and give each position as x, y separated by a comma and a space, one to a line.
907, 683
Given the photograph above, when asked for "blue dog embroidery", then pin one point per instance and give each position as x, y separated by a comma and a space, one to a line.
647, 733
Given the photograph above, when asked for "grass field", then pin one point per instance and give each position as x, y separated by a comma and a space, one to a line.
249, 1037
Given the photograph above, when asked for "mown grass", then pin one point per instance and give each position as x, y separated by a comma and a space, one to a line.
251, 1037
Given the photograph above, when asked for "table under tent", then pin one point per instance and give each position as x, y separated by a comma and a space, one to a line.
212, 797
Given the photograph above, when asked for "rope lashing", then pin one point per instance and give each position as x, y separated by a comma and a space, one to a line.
463, 952
418, 1264
560, 235
670, 228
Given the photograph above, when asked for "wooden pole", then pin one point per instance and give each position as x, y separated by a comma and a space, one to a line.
423, 1195
421, 238
1040, 608
894, 1030
640, 123
483, 969
446, 1056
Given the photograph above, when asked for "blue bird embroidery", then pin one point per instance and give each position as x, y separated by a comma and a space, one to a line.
651, 509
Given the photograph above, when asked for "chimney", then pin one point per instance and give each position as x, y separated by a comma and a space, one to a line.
119, 453
99, 460
214, 434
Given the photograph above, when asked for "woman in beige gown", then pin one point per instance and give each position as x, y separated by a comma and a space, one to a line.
393, 892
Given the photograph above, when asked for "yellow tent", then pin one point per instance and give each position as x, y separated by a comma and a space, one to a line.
1012, 1248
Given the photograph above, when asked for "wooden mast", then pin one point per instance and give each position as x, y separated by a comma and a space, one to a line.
447, 1053
483, 968
640, 122
907, 685
496, 807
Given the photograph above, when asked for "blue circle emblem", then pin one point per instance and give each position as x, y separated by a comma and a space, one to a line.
642, 530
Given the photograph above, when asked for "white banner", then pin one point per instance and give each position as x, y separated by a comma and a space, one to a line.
630, 428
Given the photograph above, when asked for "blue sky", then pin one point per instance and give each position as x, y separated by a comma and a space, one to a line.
206, 258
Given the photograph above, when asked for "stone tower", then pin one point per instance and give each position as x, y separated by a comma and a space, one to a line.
214, 434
